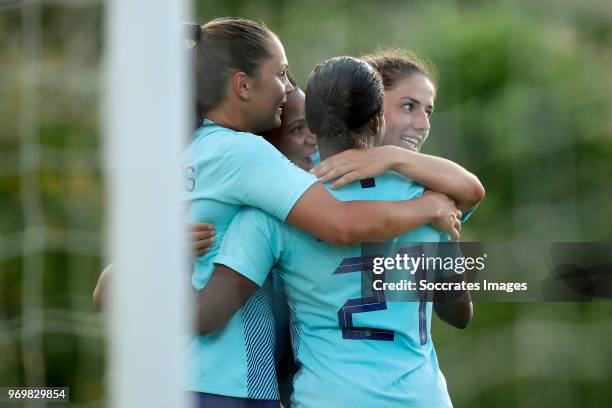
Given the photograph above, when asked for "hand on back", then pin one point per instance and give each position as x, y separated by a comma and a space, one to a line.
201, 236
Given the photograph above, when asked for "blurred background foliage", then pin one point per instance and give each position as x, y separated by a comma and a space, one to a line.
523, 101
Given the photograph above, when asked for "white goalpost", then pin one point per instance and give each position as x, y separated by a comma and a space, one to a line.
146, 120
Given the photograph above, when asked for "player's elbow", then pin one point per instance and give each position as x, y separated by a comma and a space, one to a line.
97, 299
203, 329
346, 235
339, 236
455, 313
469, 192
205, 325
99, 294
461, 324
475, 191
463, 316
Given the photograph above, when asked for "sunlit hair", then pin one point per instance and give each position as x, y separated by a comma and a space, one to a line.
395, 64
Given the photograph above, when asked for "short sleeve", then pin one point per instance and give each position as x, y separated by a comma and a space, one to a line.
253, 243
468, 213
266, 179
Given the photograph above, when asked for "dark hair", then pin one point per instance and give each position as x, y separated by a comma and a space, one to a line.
344, 98
220, 48
394, 64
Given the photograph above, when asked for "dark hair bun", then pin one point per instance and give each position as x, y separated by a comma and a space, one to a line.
344, 102
330, 125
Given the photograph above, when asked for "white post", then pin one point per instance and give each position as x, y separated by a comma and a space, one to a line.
146, 116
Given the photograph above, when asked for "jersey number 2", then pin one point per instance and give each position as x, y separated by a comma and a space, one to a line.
362, 305
375, 302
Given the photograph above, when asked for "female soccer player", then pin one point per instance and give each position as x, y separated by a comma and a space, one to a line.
410, 92
409, 102
294, 140
352, 351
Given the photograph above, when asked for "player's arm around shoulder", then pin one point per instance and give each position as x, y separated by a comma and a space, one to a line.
438, 174
351, 222
433, 172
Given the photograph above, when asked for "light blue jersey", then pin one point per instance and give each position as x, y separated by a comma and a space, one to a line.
226, 170
352, 351
316, 158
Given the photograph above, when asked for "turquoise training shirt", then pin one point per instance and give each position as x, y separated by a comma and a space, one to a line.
225, 171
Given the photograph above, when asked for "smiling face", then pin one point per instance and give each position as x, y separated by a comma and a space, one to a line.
270, 90
408, 107
293, 138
